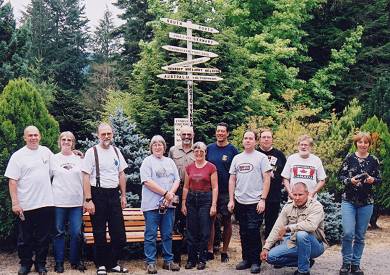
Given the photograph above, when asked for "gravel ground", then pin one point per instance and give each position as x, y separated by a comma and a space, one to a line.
375, 259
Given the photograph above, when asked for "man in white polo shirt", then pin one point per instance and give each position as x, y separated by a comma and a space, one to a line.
32, 200
103, 172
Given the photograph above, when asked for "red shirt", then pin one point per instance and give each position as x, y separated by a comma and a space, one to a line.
200, 178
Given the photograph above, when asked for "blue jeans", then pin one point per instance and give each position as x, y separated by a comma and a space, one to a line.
153, 220
355, 221
198, 225
307, 247
73, 215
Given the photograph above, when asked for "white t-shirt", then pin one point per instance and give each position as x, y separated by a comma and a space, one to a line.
67, 181
248, 169
109, 166
307, 170
31, 170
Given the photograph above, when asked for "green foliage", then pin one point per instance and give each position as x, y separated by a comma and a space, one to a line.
381, 149
20, 105
378, 102
134, 148
333, 225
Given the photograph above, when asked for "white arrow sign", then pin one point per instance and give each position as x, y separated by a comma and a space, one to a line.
191, 69
189, 77
188, 51
190, 62
195, 39
189, 25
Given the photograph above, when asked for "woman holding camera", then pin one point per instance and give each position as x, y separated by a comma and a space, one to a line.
358, 173
160, 180
199, 203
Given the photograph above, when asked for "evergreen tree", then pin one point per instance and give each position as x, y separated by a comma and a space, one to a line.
332, 220
20, 105
378, 102
134, 148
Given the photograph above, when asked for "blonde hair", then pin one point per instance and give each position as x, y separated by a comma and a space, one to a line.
362, 135
67, 133
306, 137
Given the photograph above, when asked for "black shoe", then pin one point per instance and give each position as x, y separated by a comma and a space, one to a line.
59, 267
224, 257
301, 273
255, 268
42, 270
201, 266
80, 267
243, 265
189, 265
209, 256
355, 270
276, 266
24, 270
312, 262
344, 270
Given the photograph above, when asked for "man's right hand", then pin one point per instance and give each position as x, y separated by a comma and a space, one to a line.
17, 209
264, 255
230, 206
89, 207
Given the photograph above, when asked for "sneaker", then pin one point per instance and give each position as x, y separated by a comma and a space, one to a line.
297, 272
224, 257
171, 266
344, 270
189, 265
355, 270
151, 269
59, 267
24, 270
201, 266
255, 268
243, 265
209, 256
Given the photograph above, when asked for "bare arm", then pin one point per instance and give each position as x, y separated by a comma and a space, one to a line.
214, 187
185, 193
286, 183
88, 206
318, 187
232, 187
266, 185
14, 197
122, 187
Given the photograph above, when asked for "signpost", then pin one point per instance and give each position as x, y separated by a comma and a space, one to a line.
186, 66
179, 123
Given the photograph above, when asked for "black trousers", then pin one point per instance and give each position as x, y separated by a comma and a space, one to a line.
34, 235
271, 214
107, 211
249, 221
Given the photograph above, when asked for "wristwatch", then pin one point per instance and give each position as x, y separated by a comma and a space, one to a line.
88, 199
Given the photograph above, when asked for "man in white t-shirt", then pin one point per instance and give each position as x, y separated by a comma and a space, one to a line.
304, 167
249, 182
103, 172
32, 200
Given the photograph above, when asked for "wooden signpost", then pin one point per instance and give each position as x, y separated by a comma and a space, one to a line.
192, 73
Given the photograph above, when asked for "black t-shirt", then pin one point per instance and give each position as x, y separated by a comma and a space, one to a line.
277, 161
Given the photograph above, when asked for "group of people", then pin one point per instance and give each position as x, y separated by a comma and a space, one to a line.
188, 191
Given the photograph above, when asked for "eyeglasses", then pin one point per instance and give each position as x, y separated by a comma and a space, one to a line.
157, 145
66, 139
186, 134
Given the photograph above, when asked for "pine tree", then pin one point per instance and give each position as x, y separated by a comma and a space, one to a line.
134, 149
20, 105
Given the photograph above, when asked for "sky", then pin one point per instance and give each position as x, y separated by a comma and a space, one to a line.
94, 10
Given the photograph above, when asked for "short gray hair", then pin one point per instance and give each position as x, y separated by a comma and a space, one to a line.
156, 139
199, 145
301, 184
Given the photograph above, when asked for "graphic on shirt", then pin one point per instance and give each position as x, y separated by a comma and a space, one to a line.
273, 160
303, 172
224, 157
161, 172
244, 168
68, 166
116, 162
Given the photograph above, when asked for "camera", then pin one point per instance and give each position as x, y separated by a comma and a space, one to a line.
361, 177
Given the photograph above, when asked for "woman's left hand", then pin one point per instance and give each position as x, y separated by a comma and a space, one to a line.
370, 180
213, 210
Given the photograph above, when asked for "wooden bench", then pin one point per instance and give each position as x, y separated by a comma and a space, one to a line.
134, 227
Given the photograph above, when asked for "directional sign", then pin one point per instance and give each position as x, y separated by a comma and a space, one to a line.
188, 51
189, 77
190, 62
193, 38
191, 69
189, 25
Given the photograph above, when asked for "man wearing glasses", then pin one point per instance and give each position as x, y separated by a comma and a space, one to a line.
182, 155
103, 172
304, 167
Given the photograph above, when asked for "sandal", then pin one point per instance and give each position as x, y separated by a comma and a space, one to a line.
119, 269
101, 271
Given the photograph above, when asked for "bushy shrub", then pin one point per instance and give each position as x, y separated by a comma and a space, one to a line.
332, 209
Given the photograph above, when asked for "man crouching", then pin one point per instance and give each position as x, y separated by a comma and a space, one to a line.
300, 228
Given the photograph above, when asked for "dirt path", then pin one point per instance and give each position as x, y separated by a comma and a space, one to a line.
376, 259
